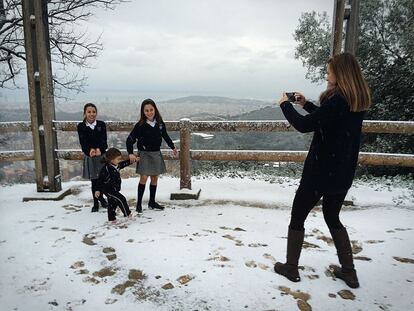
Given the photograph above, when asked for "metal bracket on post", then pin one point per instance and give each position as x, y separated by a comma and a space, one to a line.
40, 85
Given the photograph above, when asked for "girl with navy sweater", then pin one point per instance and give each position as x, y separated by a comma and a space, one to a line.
148, 134
331, 161
93, 140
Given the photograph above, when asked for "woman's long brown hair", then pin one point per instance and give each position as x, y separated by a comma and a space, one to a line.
350, 82
143, 118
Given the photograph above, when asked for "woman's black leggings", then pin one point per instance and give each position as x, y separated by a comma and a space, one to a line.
304, 202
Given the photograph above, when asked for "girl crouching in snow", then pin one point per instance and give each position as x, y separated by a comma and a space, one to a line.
109, 183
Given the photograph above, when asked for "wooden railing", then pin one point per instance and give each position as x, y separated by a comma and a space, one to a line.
186, 127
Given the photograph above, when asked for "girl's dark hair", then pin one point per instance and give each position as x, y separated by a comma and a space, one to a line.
86, 107
143, 118
111, 154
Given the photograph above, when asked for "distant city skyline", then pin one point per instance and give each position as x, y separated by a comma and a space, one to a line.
164, 50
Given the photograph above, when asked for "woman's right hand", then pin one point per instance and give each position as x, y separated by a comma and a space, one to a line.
300, 99
132, 158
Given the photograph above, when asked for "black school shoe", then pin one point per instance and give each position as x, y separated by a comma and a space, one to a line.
139, 208
155, 205
95, 208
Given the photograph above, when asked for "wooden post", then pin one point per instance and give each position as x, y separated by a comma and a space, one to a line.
40, 85
185, 160
337, 26
352, 28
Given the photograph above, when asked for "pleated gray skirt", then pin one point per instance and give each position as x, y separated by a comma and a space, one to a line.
150, 163
91, 167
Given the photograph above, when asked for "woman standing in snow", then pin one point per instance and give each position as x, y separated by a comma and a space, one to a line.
331, 161
93, 140
148, 134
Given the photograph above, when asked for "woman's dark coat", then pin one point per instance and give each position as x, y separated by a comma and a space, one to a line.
333, 154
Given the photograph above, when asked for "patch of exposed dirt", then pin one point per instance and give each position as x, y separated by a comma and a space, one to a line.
77, 264
235, 229
120, 288
363, 258
111, 257
270, 257
257, 245
92, 280
88, 239
309, 245
251, 264
326, 239
263, 266
82, 271
346, 294
104, 272
110, 301
68, 230
168, 286
107, 250
374, 241
184, 279
297, 295
136, 275
230, 237
356, 247
403, 259
303, 305
219, 258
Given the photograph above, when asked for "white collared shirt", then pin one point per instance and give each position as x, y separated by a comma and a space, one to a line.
152, 123
91, 125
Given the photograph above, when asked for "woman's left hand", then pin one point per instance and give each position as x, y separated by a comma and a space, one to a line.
97, 152
283, 99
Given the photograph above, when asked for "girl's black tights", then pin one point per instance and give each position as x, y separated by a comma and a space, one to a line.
305, 200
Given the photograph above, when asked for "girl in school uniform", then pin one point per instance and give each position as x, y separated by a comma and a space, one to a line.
148, 134
93, 140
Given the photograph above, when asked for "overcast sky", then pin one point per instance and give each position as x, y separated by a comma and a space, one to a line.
234, 48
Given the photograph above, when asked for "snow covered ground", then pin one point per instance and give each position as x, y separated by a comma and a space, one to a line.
216, 253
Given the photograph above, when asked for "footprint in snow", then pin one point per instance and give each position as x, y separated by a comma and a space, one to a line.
110, 253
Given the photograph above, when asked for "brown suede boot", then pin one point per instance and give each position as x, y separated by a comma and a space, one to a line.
294, 247
347, 272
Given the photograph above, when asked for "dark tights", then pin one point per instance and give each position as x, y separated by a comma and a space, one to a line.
305, 200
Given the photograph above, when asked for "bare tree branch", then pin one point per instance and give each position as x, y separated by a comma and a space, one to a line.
70, 46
